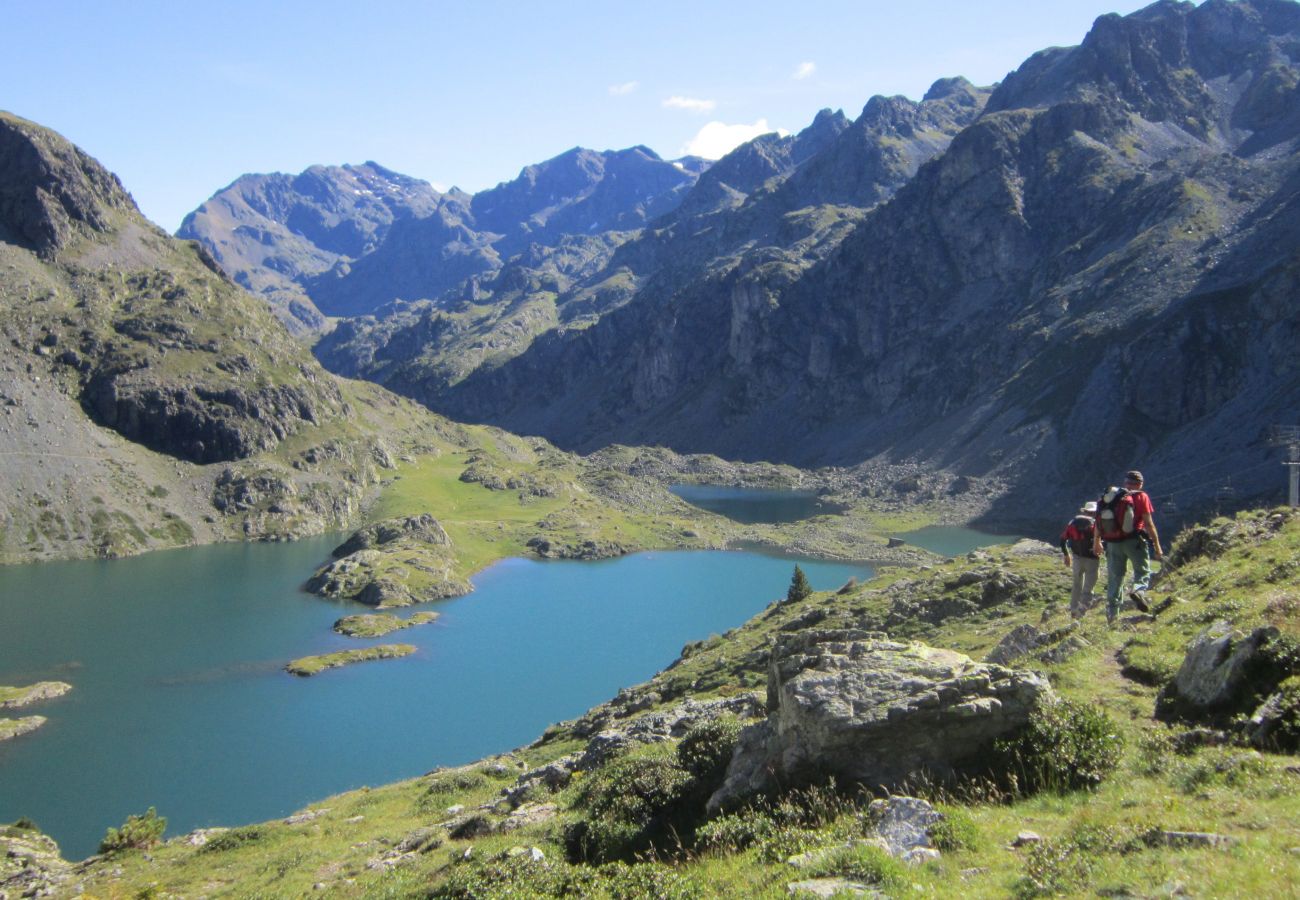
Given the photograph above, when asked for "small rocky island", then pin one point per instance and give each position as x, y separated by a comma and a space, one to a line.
396, 562
12, 728
313, 665
373, 625
18, 697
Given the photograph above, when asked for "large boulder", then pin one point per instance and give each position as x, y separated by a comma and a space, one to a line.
1223, 670
865, 709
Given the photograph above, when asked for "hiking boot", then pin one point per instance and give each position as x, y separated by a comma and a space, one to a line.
1139, 600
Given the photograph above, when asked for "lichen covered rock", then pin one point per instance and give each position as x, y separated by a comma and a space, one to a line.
864, 709
1221, 670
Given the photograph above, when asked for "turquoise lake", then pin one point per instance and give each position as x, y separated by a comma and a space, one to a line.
179, 700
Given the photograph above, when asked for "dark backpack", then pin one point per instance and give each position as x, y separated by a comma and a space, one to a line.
1116, 515
1081, 537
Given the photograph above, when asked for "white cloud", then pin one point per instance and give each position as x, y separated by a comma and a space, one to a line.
716, 139
805, 70
627, 87
690, 103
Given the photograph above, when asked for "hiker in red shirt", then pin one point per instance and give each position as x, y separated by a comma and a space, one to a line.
1076, 544
1126, 523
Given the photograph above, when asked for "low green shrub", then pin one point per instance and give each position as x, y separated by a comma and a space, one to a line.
650, 881
632, 804
1065, 746
1217, 767
1053, 868
1064, 865
234, 839
1284, 736
862, 862
955, 831
522, 876
784, 841
706, 750
734, 832
137, 833
513, 877
814, 805
447, 783
1154, 752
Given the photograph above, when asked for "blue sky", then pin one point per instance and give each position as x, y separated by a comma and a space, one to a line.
179, 99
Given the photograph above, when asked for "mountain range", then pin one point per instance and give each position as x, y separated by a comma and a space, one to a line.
1084, 268
344, 240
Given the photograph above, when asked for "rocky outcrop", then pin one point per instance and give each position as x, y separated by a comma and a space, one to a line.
590, 549
423, 528
203, 422
51, 191
614, 728
1275, 725
903, 824
396, 562
864, 709
626, 715
1223, 671
30, 864
1052, 646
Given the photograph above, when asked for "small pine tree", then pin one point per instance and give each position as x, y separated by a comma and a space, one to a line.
136, 833
800, 589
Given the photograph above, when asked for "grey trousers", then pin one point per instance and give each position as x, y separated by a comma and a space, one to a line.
1085, 578
1118, 555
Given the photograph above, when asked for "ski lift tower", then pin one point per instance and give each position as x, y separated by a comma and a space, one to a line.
1289, 436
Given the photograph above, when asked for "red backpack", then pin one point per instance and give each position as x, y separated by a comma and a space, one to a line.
1079, 535
1116, 515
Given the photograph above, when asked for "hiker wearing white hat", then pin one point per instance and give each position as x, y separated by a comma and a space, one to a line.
1081, 559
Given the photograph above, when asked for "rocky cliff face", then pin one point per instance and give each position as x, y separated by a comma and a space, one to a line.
1091, 275
50, 191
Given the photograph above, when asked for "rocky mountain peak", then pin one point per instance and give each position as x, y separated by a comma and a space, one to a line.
826, 126
956, 86
50, 190
1171, 62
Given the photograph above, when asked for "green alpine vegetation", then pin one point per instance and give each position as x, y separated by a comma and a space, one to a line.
1129, 780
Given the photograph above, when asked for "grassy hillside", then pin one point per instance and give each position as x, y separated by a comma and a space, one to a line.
450, 834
